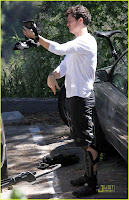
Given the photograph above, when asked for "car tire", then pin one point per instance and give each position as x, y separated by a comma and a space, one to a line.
4, 169
62, 105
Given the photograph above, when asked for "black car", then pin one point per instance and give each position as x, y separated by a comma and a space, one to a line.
111, 108
4, 172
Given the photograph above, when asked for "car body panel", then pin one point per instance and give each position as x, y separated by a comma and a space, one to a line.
112, 111
3, 144
4, 172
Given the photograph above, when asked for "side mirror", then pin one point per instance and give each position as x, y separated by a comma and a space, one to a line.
101, 75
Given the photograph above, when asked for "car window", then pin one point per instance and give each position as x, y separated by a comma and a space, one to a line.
120, 74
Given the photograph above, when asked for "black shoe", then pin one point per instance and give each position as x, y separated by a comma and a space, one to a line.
79, 181
86, 189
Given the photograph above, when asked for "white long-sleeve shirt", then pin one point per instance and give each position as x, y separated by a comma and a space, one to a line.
79, 64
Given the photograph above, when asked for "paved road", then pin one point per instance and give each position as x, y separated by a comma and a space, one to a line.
27, 144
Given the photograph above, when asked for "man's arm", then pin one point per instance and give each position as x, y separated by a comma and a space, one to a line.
44, 42
76, 45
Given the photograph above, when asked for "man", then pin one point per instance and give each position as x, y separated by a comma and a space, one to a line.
78, 67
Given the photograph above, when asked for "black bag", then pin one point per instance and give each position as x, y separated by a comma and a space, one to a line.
63, 159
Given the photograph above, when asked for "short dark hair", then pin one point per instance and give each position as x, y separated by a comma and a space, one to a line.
79, 11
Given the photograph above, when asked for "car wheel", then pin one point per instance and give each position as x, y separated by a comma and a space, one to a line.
4, 170
62, 105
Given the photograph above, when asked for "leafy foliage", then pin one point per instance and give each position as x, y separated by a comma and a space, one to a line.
27, 71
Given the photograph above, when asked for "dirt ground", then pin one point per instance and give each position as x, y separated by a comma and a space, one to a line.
24, 154
43, 118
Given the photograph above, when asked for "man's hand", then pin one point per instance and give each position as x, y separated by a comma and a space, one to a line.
28, 33
52, 83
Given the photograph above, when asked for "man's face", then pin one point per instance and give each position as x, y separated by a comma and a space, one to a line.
73, 24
